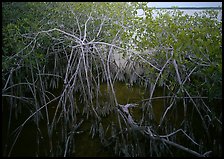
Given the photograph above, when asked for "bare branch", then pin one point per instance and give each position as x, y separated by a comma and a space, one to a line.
101, 25
84, 38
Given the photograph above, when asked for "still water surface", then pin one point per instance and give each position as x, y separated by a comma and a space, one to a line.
88, 145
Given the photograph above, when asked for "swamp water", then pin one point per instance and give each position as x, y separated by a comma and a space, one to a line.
90, 145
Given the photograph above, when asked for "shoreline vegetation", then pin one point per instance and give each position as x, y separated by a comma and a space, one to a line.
189, 8
95, 79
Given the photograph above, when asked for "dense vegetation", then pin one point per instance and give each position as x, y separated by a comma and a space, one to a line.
61, 53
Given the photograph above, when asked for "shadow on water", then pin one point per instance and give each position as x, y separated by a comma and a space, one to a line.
87, 144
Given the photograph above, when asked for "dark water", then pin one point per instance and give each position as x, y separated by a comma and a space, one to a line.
88, 145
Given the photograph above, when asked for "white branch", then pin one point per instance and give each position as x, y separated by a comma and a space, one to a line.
131, 51
100, 27
84, 38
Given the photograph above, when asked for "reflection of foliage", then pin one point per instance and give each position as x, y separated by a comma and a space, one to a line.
72, 44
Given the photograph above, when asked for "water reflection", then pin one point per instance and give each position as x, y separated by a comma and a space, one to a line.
87, 144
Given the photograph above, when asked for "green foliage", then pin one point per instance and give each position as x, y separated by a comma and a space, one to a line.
38, 39
198, 36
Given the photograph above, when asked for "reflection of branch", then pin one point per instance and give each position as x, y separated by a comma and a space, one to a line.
195, 105
182, 147
164, 97
71, 135
164, 114
182, 132
19, 128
